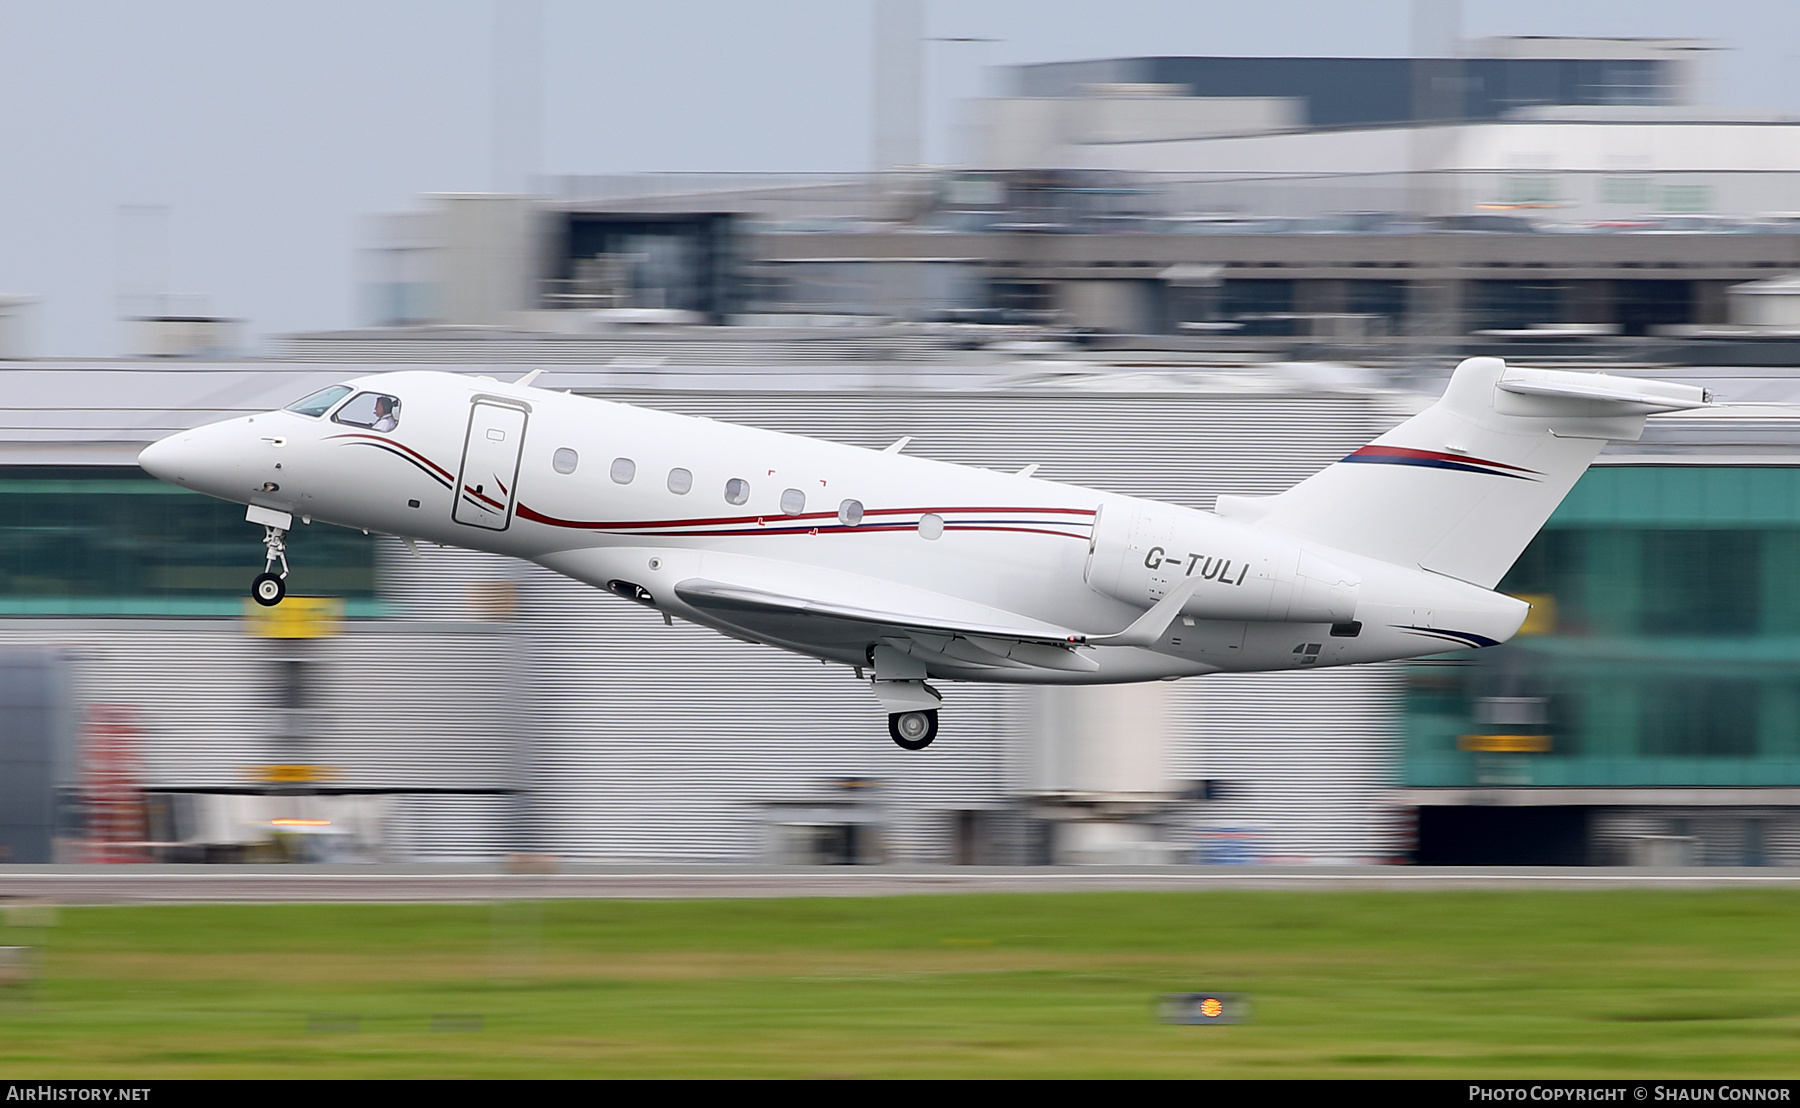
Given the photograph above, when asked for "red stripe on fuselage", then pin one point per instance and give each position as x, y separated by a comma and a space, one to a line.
448, 476
840, 529
405, 457
526, 512
485, 498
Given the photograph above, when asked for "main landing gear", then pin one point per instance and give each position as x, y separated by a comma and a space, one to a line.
913, 730
912, 705
269, 586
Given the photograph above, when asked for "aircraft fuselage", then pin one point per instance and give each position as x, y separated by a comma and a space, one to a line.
640, 501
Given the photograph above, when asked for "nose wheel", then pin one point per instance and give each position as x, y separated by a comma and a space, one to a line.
913, 730
268, 589
269, 586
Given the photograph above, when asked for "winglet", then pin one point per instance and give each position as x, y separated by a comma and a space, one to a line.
1147, 629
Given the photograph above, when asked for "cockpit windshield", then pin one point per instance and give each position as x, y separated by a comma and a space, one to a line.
320, 402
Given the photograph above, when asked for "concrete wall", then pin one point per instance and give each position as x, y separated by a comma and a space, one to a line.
1772, 305
15, 323
1054, 132
33, 752
491, 259
1124, 306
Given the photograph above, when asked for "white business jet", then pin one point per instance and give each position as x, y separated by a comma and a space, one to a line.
909, 570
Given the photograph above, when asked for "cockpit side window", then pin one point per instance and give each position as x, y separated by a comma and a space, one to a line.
375, 410
319, 402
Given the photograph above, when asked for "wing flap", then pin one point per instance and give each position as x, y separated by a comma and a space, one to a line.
725, 599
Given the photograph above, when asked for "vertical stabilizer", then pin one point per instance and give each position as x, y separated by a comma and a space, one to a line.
1462, 487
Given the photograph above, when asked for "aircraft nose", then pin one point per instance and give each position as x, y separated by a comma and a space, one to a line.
218, 459
166, 459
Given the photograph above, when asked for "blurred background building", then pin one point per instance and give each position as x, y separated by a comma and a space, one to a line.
1539, 191
1169, 277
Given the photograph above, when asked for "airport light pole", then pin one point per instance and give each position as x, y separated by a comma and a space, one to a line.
950, 154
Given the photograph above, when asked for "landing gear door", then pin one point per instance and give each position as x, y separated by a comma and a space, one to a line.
488, 480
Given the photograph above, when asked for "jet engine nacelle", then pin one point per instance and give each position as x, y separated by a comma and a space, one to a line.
1138, 554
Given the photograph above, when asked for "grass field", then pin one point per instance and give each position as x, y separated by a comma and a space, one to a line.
1401, 984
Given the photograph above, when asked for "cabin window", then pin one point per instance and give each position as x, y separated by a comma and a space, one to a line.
375, 410
680, 481
931, 525
564, 460
319, 402
793, 502
737, 490
623, 470
850, 513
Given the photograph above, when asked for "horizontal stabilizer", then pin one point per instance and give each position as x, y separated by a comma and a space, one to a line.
1649, 396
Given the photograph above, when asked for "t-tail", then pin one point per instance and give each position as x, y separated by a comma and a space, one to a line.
1462, 487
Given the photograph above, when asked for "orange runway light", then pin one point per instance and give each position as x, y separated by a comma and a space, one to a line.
1505, 744
1198, 1008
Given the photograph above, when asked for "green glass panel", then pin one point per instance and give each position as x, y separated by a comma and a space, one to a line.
1705, 717
1675, 654
1682, 496
1779, 587
116, 541
1698, 582
1603, 585
1609, 718
1625, 190
1778, 722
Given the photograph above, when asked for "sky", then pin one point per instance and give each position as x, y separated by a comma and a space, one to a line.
228, 151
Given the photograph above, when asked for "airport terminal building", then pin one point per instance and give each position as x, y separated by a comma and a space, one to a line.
1529, 191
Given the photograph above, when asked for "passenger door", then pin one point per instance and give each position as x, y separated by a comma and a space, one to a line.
488, 480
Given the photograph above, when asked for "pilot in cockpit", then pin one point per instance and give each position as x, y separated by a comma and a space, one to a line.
385, 419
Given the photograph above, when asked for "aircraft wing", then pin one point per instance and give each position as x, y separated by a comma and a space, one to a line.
965, 637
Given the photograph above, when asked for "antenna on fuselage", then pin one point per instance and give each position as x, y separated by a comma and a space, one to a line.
899, 445
530, 377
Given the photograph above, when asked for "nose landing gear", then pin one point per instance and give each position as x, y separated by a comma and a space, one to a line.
268, 589
269, 586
